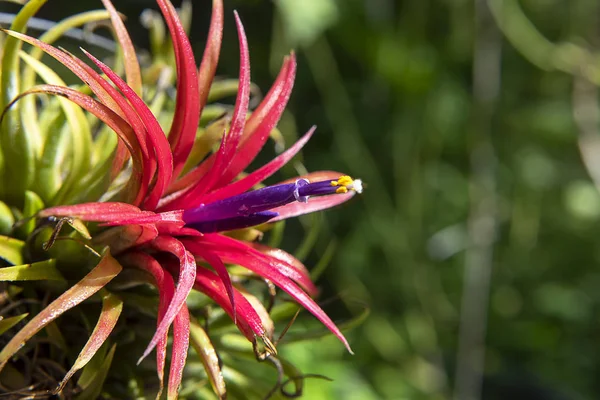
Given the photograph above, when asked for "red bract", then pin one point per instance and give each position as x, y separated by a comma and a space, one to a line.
154, 223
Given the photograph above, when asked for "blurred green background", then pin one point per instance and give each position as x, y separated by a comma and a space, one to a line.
474, 125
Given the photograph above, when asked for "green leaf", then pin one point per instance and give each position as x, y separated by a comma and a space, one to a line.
208, 355
311, 236
18, 146
81, 135
324, 260
48, 176
7, 323
12, 379
11, 250
79, 226
28, 107
306, 20
39, 271
295, 375
95, 280
33, 204
7, 218
111, 310
57, 338
93, 390
92, 367
227, 88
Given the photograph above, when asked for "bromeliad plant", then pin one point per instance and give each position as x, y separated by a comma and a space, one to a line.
161, 207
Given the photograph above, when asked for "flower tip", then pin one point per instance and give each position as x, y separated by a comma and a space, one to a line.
345, 183
345, 342
147, 352
357, 186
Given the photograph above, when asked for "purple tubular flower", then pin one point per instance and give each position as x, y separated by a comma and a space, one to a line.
229, 224
252, 208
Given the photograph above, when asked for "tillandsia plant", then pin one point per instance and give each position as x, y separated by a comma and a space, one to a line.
90, 215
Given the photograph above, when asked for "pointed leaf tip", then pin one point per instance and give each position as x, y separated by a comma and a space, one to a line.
187, 276
111, 310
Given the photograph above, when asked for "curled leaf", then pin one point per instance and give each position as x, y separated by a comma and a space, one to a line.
181, 342
93, 390
187, 275
208, 355
79, 129
11, 250
95, 280
7, 218
111, 310
132, 67
33, 204
18, 146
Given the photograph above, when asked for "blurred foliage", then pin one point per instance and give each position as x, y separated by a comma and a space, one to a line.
391, 86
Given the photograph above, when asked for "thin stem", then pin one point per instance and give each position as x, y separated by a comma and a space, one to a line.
482, 220
40, 24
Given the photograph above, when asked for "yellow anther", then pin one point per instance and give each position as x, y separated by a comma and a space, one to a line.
341, 189
343, 180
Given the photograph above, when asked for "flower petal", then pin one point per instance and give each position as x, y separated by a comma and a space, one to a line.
221, 270
236, 252
88, 76
253, 142
181, 342
125, 237
282, 256
148, 217
177, 231
166, 289
187, 274
138, 184
229, 251
132, 67
230, 143
231, 140
258, 115
248, 321
187, 106
156, 136
316, 203
210, 57
94, 211
260, 174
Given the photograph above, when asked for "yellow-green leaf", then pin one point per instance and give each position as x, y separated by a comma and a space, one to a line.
95, 280
111, 310
11, 250
205, 349
33, 204
94, 389
7, 218
18, 146
81, 135
28, 106
7, 323
39, 271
